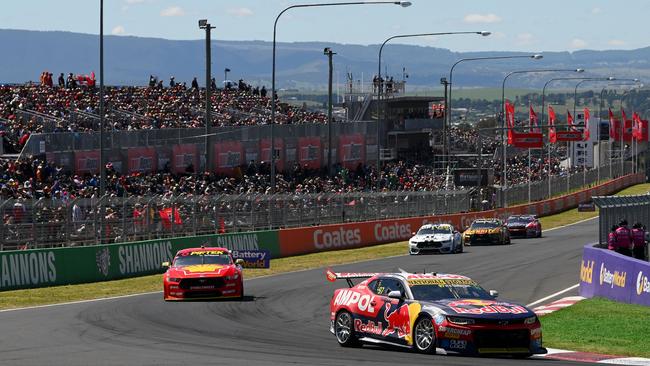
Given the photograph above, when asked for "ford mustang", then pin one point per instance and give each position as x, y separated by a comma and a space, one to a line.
202, 273
431, 313
486, 231
524, 225
440, 238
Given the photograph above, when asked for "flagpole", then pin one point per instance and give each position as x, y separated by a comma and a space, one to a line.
622, 141
530, 124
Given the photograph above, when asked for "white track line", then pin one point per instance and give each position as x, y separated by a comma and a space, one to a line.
273, 275
553, 295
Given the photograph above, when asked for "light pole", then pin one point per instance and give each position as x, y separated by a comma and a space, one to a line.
600, 112
450, 83
575, 103
543, 110
328, 52
380, 86
504, 175
203, 24
403, 4
102, 169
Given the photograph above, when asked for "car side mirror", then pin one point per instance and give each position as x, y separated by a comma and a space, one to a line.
239, 262
395, 295
494, 293
165, 264
413, 233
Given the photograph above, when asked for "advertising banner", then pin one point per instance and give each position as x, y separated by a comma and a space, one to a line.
569, 135
352, 150
86, 161
142, 159
605, 273
184, 156
65, 266
310, 152
529, 140
229, 155
253, 258
265, 152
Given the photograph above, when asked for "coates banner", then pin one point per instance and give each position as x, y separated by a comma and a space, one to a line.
352, 150
142, 159
530, 140
310, 152
253, 258
605, 273
184, 156
86, 161
265, 152
229, 155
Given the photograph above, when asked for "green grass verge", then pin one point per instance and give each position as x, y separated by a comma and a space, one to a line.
58, 294
570, 216
599, 325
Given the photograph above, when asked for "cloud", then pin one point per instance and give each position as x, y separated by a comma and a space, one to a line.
524, 39
481, 18
596, 11
118, 31
616, 42
172, 11
578, 43
240, 12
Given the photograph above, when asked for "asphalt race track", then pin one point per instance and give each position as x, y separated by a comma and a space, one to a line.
284, 320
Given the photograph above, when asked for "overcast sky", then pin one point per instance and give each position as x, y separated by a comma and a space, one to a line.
550, 25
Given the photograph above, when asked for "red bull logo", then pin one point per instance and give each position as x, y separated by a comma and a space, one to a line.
397, 321
472, 306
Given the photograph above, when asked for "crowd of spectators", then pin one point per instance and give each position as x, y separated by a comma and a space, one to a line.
72, 106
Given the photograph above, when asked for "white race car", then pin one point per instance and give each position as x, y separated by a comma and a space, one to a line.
436, 238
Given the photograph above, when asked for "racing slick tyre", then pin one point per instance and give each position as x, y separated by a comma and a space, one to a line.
424, 336
539, 235
344, 330
521, 356
507, 240
460, 248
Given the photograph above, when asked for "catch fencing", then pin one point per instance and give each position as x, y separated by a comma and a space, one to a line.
615, 208
539, 190
47, 223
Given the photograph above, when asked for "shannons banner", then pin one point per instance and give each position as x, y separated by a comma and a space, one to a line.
64, 266
605, 273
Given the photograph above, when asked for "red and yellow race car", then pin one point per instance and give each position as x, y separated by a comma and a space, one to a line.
203, 273
431, 312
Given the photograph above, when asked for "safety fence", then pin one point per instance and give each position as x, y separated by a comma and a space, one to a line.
616, 208
605, 273
84, 221
46, 267
539, 190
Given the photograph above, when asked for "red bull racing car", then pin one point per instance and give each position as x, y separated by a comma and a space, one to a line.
431, 313
203, 273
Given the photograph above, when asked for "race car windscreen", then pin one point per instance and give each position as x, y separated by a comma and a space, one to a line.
484, 225
437, 289
434, 230
519, 220
202, 257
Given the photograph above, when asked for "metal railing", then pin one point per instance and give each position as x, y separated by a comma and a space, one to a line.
55, 223
539, 190
613, 209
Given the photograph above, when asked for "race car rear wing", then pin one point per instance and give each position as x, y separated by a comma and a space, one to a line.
347, 276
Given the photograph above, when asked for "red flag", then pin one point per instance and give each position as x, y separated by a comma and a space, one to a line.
552, 137
634, 126
612, 129
586, 133
623, 116
532, 116
510, 121
569, 121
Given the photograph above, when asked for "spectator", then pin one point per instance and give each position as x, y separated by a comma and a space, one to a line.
195, 84
624, 243
638, 238
61, 81
611, 238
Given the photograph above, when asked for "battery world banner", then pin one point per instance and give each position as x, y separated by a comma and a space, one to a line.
310, 152
229, 155
184, 156
253, 258
605, 273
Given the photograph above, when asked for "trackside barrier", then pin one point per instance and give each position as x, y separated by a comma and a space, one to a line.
73, 265
296, 241
65, 266
605, 273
